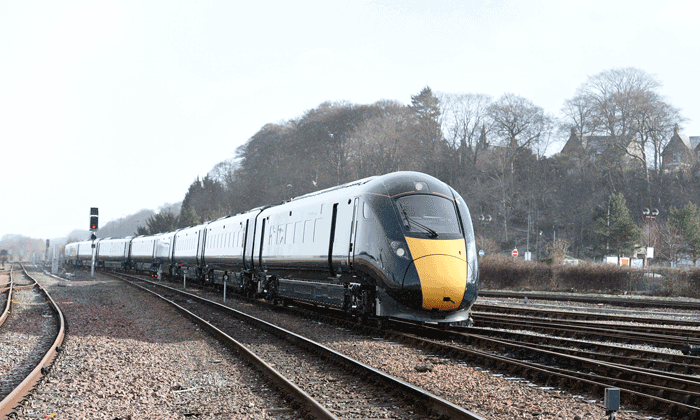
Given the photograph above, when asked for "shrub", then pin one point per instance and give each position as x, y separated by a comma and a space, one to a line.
501, 272
591, 277
680, 282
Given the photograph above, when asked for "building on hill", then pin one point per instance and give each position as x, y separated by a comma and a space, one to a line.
681, 153
583, 149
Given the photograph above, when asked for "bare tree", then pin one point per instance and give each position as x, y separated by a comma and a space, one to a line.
578, 114
670, 242
383, 143
464, 116
520, 124
625, 105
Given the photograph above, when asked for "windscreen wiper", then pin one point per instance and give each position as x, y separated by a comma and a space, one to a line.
405, 216
430, 231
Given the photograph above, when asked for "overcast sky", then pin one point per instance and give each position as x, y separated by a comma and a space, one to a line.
122, 104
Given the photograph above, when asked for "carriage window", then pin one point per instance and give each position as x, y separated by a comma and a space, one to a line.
289, 234
308, 231
366, 212
298, 233
317, 226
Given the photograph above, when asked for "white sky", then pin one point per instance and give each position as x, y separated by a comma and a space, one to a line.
122, 104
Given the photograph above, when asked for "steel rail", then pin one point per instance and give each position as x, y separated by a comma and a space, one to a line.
310, 405
581, 314
432, 402
629, 302
608, 350
680, 366
547, 375
673, 342
627, 324
676, 407
8, 304
531, 371
24, 388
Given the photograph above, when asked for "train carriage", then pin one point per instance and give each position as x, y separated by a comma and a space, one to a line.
188, 250
84, 253
141, 252
396, 245
163, 250
70, 254
112, 252
225, 242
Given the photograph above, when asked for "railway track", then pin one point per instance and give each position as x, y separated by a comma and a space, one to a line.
576, 370
673, 395
672, 338
30, 348
6, 290
608, 352
586, 314
328, 384
669, 331
625, 301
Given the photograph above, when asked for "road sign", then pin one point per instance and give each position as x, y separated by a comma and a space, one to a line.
515, 252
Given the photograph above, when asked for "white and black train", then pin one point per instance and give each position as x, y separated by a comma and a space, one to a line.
398, 245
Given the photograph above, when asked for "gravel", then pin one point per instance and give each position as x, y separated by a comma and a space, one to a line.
129, 356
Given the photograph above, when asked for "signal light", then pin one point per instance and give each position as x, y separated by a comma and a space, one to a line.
93, 218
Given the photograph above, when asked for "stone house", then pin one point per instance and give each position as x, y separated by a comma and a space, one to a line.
582, 149
681, 153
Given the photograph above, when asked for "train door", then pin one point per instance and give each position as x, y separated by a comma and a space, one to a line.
262, 242
353, 232
202, 236
245, 243
334, 220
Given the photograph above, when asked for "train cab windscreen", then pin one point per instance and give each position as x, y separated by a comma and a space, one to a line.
430, 215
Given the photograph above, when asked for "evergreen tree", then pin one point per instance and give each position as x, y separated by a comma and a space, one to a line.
616, 230
686, 222
162, 222
426, 107
188, 217
206, 198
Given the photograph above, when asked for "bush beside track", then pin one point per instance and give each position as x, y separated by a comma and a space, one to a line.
501, 272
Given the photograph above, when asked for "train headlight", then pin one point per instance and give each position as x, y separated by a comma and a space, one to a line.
399, 249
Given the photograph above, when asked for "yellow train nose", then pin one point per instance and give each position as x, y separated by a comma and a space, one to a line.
443, 280
442, 270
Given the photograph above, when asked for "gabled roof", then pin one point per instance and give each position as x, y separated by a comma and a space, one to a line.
573, 145
690, 142
591, 145
694, 142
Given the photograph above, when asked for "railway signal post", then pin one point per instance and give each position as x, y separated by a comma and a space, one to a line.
94, 214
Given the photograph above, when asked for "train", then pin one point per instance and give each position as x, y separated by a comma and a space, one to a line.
399, 245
